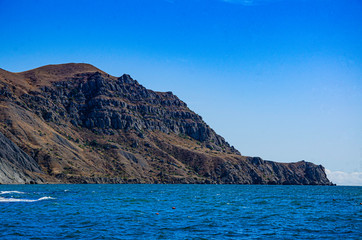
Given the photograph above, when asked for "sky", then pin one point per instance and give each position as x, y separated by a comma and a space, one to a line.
278, 79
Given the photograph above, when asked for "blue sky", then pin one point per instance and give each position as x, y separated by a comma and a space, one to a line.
278, 79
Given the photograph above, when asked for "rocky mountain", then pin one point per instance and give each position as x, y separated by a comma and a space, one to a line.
73, 123
15, 165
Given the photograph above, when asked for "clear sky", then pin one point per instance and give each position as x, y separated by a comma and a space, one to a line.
279, 79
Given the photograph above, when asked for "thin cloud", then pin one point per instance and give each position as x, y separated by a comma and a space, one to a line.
344, 178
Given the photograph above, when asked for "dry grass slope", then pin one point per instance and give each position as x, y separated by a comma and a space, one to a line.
82, 125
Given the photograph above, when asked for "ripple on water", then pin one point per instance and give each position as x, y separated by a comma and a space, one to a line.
202, 212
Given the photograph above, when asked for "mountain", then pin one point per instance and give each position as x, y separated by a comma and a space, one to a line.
73, 123
15, 165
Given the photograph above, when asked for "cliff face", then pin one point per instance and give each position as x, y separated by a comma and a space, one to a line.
79, 124
15, 165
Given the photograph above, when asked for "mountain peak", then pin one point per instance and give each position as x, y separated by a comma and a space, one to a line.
46, 74
65, 68
81, 125
59, 71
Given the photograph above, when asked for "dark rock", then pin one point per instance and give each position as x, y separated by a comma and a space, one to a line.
103, 129
15, 165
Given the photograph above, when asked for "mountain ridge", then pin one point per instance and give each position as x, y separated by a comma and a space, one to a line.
83, 125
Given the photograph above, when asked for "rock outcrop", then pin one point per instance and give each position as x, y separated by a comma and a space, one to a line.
16, 167
81, 125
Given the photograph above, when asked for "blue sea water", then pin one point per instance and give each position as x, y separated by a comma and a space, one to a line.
179, 212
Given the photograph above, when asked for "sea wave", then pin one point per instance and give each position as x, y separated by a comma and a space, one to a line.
9, 192
2, 199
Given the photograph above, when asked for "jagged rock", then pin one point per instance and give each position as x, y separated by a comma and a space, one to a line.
15, 165
81, 125
94, 100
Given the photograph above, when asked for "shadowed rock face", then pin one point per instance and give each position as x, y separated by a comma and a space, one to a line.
15, 165
82, 125
98, 101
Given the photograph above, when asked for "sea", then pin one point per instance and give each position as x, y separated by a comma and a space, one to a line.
142, 211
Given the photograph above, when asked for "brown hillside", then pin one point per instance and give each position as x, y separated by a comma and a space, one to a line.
82, 125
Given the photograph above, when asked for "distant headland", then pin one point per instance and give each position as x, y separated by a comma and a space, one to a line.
73, 123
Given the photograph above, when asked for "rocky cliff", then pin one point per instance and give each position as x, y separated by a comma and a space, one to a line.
77, 124
15, 165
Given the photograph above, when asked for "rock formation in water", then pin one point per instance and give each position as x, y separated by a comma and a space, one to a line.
77, 124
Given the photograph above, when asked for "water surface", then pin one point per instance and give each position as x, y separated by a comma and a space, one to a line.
179, 212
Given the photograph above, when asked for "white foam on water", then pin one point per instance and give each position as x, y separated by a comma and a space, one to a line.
9, 192
45, 198
23, 200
